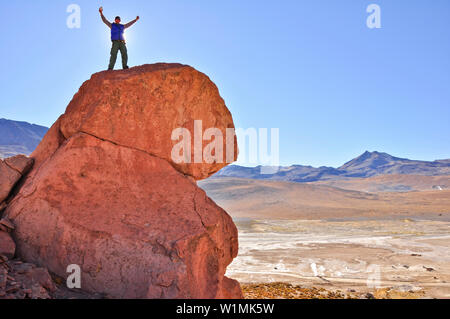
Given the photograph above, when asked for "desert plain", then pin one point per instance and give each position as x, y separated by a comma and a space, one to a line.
323, 238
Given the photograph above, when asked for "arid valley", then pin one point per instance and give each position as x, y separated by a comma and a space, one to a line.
390, 245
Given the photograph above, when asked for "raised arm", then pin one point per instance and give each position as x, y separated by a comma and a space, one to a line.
129, 24
105, 21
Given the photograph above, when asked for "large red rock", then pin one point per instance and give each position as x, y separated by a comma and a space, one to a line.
136, 226
141, 107
103, 193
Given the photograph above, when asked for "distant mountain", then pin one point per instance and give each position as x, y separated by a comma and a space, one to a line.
376, 163
19, 137
366, 165
295, 173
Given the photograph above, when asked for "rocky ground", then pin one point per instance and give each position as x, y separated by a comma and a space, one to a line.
19, 280
288, 291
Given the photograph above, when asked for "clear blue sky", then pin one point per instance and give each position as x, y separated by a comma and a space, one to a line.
334, 87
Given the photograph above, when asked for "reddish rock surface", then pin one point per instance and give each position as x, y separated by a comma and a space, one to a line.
49, 144
6, 225
141, 107
8, 178
20, 163
103, 193
7, 245
11, 170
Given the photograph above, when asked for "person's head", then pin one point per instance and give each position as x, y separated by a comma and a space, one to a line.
117, 20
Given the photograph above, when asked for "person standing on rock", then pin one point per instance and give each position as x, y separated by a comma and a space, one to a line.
118, 40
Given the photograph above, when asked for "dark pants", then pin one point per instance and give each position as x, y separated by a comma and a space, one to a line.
116, 46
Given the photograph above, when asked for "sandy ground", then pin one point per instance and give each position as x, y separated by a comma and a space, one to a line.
261, 199
408, 255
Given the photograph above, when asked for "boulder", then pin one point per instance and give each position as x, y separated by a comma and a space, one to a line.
104, 193
141, 108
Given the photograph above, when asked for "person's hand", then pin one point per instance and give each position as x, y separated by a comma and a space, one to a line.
137, 18
100, 10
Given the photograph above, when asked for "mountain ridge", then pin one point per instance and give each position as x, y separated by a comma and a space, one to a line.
368, 164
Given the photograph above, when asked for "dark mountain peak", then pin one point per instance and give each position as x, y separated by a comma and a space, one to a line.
372, 160
366, 155
374, 154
